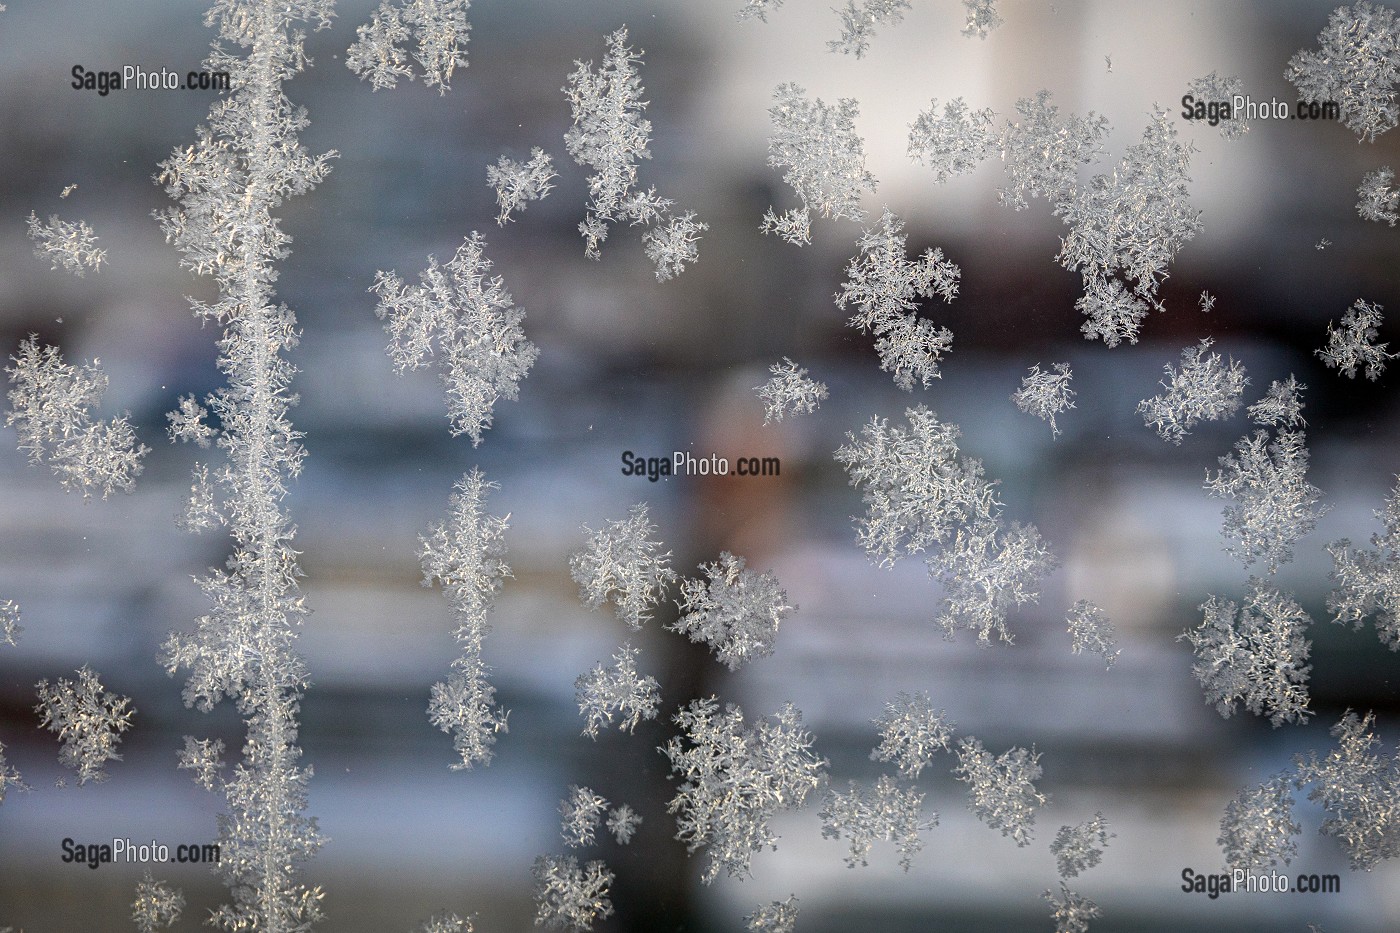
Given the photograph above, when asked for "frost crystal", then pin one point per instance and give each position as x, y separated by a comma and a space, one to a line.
1368, 581
1274, 505
734, 779
516, 182
88, 718
911, 731
776, 917
70, 246
1255, 654
734, 610
887, 812
884, 287
471, 320
1129, 224
51, 408
954, 144
1046, 394
1354, 344
449, 923
1204, 389
1001, 791
1072, 911
440, 28
568, 897
157, 905
1080, 848
1090, 630
1206, 302
605, 692
9, 622
1357, 66
985, 571
1258, 829
466, 556
582, 811
622, 823
9, 777
205, 758
982, 18
789, 392
1043, 153
1376, 199
1281, 407
1215, 88
757, 9
858, 23
621, 565
671, 244
187, 423
1360, 791
1111, 312
200, 512
823, 159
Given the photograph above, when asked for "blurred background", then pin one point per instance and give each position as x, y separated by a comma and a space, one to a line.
629, 364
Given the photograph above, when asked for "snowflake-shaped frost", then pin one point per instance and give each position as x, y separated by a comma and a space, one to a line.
471, 320
68, 245
1255, 654
982, 18
570, 897
1258, 829
1274, 505
1282, 406
622, 823
775, 917
789, 391
734, 610
580, 813
858, 23
1376, 199
516, 183
955, 143
1215, 88
757, 9
605, 692
449, 923
1368, 580
1079, 848
1046, 394
1072, 911
621, 564
1001, 790
440, 29
911, 731
823, 160
157, 905
1357, 66
887, 812
1360, 791
1206, 388
9, 777
1353, 345
204, 757
88, 718
671, 244
1043, 153
1090, 630
9, 622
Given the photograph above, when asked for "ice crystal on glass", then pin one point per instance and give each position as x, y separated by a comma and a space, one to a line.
51, 408
466, 556
468, 317
734, 610
88, 718
955, 143
620, 691
1274, 504
757, 9
671, 244
623, 565
1079, 848
569, 896
775, 917
885, 812
205, 758
735, 778
982, 18
1258, 829
1376, 198
1090, 630
187, 423
449, 923
9, 776
1360, 791
1046, 394
516, 183
157, 905
1215, 89
438, 27
1043, 153
822, 157
1072, 911
884, 286
1353, 345
1367, 581
1001, 789
69, 246
789, 392
622, 823
581, 813
858, 22
1281, 407
1357, 65
1254, 655
911, 732
1205, 388
9, 622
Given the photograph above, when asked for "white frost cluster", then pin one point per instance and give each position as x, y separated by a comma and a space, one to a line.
823, 159
622, 823
569, 896
68, 245
911, 732
516, 183
982, 18
467, 316
580, 812
955, 143
1258, 829
51, 408
884, 286
1043, 153
1072, 910
623, 565
775, 917
1216, 88
438, 27
88, 718
619, 691
789, 392
1046, 394
1360, 791
1281, 407
886, 812
1079, 848
1255, 655
1367, 580
157, 905
1001, 790
9, 622
1353, 345
1357, 66
734, 610
858, 23
1205, 388
1376, 198
1090, 630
